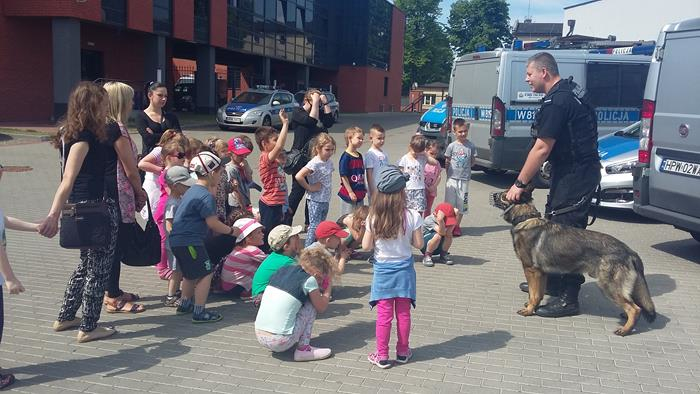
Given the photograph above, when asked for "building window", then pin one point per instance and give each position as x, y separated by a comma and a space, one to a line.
386, 86
379, 34
201, 21
114, 12
163, 16
428, 99
616, 85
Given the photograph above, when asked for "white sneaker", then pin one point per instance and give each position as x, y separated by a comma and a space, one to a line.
428, 261
311, 353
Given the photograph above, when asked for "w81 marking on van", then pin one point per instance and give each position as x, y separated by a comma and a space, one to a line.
605, 115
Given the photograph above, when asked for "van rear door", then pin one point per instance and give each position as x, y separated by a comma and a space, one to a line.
674, 181
474, 83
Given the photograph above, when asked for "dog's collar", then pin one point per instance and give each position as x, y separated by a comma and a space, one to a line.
520, 219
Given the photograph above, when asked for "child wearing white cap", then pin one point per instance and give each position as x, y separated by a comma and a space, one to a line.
195, 216
240, 265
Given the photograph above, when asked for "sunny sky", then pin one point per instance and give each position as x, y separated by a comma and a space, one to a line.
540, 10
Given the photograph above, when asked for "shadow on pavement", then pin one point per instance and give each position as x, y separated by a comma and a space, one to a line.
688, 249
479, 231
347, 338
462, 345
660, 284
622, 215
468, 260
341, 292
337, 309
123, 361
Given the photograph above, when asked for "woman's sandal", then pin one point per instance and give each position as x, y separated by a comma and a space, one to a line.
128, 297
124, 306
6, 380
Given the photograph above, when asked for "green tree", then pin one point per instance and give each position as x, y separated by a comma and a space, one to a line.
427, 54
478, 22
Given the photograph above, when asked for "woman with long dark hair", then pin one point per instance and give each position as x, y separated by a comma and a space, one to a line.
154, 120
86, 151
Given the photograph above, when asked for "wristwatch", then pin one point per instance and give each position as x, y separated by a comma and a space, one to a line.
519, 184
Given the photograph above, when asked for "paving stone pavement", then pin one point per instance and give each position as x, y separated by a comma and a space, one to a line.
466, 336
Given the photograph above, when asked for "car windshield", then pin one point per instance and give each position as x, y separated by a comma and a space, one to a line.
252, 98
631, 131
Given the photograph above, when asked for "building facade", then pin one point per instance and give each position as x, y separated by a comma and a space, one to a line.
353, 48
629, 20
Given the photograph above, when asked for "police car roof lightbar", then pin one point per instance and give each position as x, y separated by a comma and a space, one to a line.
633, 50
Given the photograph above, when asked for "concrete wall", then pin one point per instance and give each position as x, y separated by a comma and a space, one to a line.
629, 20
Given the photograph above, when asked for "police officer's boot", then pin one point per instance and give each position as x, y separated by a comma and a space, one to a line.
564, 305
552, 289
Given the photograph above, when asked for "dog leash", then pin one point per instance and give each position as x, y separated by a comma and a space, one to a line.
579, 204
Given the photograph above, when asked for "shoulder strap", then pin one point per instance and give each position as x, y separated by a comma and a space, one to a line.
63, 156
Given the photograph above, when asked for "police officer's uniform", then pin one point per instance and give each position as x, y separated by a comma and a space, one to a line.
572, 123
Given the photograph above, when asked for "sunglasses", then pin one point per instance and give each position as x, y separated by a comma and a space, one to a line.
180, 155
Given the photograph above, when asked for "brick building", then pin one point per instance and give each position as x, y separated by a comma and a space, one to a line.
46, 46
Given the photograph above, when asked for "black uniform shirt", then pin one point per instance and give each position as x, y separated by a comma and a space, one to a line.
558, 108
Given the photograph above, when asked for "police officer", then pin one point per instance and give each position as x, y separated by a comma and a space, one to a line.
566, 133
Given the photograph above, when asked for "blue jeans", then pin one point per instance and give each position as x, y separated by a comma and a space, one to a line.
317, 213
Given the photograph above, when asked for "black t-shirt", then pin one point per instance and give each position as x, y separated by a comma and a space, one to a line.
143, 121
559, 106
111, 159
91, 183
305, 127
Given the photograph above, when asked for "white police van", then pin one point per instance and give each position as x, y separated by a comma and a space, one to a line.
488, 89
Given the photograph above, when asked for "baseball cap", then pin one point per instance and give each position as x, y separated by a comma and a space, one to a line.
327, 228
390, 179
247, 226
204, 163
449, 211
237, 146
179, 174
281, 234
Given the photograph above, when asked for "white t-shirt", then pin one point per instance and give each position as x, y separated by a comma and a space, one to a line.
322, 172
375, 159
414, 168
150, 184
399, 248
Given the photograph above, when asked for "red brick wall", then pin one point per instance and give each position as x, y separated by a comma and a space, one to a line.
122, 52
26, 74
89, 10
183, 19
139, 14
218, 19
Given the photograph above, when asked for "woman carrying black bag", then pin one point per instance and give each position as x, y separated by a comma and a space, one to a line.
130, 194
86, 150
304, 122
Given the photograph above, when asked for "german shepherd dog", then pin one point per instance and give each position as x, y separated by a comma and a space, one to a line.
547, 247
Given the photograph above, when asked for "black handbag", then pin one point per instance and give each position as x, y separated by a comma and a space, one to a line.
84, 225
140, 247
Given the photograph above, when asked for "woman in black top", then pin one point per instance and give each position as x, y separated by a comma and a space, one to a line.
304, 122
153, 121
89, 157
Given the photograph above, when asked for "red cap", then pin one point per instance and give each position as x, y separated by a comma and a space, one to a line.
327, 228
449, 212
237, 146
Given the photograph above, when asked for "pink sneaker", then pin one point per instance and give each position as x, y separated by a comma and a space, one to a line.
311, 353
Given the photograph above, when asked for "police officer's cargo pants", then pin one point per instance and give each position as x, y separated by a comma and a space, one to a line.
569, 186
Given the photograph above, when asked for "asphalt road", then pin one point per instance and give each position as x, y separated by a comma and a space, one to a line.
465, 333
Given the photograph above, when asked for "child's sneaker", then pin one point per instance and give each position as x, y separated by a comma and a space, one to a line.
445, 258
310, 353
246, 295
374, 359
207, 317
184, 310
404, 359
428, 261
171, 301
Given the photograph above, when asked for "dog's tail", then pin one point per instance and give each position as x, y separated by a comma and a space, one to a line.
640, 293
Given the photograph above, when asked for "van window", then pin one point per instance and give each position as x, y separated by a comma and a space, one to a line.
616, 85
476, 82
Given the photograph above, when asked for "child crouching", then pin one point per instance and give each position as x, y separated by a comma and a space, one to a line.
290, 303
240, 265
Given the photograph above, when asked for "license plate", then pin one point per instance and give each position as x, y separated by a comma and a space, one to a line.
680, 167
233, 119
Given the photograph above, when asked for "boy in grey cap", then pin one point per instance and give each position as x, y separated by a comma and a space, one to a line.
285, 244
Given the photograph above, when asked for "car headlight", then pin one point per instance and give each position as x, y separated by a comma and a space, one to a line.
621, 167
256, 113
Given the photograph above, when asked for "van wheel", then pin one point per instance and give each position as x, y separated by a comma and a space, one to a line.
267, 121
491, 171
695, 235
540, 181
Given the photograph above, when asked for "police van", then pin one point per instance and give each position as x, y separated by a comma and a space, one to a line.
488, 89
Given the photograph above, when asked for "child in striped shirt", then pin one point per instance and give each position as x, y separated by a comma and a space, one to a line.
240, 265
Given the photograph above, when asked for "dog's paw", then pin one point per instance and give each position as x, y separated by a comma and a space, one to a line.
621, 331
526, 311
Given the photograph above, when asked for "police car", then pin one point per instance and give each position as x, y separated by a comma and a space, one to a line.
254, 108
618, 155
